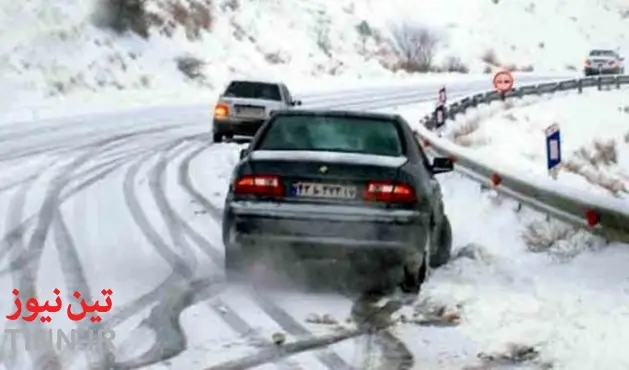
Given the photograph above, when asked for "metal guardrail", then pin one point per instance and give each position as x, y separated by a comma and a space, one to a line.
604, 216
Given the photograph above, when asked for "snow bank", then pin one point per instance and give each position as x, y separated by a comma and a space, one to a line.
595, 139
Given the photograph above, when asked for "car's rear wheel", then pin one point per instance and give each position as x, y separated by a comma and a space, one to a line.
414, 276
444, 245
217, 138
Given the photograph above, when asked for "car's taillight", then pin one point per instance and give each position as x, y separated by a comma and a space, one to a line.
221, 110
611, 62
588, 63
262, 185
389, 192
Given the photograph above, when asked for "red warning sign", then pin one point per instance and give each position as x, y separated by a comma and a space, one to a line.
503, 81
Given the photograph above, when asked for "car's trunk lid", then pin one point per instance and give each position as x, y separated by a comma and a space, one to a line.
325, 177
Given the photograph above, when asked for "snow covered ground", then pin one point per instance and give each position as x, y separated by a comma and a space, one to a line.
130, 201
164, 185
594, 134
53, 49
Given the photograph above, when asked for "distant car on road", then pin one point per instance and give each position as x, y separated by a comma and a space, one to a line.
603, 61
245, 105
342, 186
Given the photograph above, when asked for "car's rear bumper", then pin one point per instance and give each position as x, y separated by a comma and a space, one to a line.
237, 126
327, 232
597, 71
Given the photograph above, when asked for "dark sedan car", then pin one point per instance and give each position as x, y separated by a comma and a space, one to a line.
335, 185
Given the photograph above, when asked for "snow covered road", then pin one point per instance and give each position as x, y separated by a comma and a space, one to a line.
131, 202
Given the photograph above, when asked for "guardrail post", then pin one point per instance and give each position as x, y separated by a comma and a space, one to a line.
580, 85
617, 78
599, 82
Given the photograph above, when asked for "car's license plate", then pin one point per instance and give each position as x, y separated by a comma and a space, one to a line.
317, 190
251, 112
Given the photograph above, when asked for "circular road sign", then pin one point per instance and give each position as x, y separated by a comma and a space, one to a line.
503, 81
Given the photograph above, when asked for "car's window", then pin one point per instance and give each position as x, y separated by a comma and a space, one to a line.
341, 134
602, 53
253, 90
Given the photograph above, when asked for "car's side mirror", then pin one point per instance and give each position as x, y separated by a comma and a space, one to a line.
243, 153
442, 165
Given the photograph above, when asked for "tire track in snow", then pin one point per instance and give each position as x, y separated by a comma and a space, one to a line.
371, 319
16, 208
25, 266
180, 286
164, 318
17, 226
179, 229
286, 322
5, 246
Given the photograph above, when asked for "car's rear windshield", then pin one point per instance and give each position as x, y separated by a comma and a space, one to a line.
253, 90
602, 53
337, 134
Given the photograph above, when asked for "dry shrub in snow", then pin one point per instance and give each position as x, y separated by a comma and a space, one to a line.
559, 239
539, 236
591, 164
490, 57
454, 64
416, 46
122, 16
526, 68
191, 67
461, 134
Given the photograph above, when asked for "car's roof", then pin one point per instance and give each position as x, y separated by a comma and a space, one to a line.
339, 113
258, 81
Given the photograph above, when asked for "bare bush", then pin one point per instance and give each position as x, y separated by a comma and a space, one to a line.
588, 162
122, 16
454, 64
527, 68
416, 45
490, 57
487, 70
194, 18
511, 67
539, 236
191, 67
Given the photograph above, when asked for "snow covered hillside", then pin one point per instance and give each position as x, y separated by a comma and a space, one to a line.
54, 48
595, 138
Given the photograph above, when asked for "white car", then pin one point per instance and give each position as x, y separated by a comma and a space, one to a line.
603, 61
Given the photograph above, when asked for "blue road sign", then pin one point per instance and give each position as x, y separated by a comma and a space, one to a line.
553, 146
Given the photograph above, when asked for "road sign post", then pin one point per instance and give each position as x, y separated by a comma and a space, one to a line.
440, 109
553, 149
503, 82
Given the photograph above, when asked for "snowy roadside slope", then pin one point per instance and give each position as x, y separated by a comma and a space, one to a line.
52, 48
594, 132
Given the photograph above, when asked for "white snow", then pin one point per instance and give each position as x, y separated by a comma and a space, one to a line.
53, 49
547, 285
594, 140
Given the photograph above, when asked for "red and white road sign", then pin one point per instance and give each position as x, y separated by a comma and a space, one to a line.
503, 81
